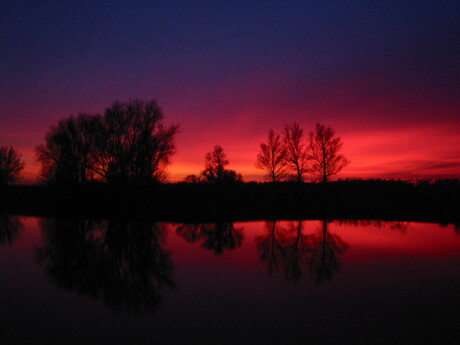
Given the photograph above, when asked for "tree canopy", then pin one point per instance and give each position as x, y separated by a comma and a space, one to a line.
271, 157
215, 171
295, 147
324, 152
128, 144
11, 165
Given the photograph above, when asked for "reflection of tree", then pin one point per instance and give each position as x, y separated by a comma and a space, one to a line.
284, 248
325, 251
270, 249
121, 263
393, 225
289, 250
296, 248
10, 227
215, 236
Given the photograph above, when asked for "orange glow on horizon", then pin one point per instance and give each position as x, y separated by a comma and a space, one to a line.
422, 152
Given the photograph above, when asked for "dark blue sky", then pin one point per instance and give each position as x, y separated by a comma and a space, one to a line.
229, 71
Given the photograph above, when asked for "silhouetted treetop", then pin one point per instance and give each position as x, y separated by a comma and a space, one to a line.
324, 152
271, 157
128, 144
68, 153
135, 147
215, 171
11, 165
295, 147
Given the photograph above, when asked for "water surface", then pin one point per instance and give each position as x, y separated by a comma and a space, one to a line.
75, 281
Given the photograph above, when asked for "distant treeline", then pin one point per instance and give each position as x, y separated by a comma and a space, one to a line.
129, 145
436, 201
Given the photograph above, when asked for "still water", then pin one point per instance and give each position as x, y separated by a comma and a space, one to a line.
75, 281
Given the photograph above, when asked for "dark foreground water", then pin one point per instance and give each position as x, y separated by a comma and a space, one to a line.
74, 281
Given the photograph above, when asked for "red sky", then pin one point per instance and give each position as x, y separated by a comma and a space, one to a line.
385, 76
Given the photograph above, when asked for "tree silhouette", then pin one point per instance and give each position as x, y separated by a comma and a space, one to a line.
135, 146
122, 263
217, 237
11, 165
296, 155
215, 163
67, 156
271, 158
129, 144
324, 151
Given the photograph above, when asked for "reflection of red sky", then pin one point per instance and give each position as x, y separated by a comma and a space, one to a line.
242, 257
366, 243
419, 240
29, 237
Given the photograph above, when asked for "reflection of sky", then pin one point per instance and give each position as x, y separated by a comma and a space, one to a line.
392, 283
384, 75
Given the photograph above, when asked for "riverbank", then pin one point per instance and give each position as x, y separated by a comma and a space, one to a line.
437, 201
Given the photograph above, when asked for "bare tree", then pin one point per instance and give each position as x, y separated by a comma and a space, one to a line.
215, 171
271, 158
11, 165
136, 147
215, 163
129, 144
324, 151
67, 155
296, 155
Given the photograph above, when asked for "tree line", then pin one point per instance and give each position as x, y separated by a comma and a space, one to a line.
287, 156
292, 155
129, 144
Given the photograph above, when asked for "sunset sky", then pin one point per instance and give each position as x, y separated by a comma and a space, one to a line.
384, 74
